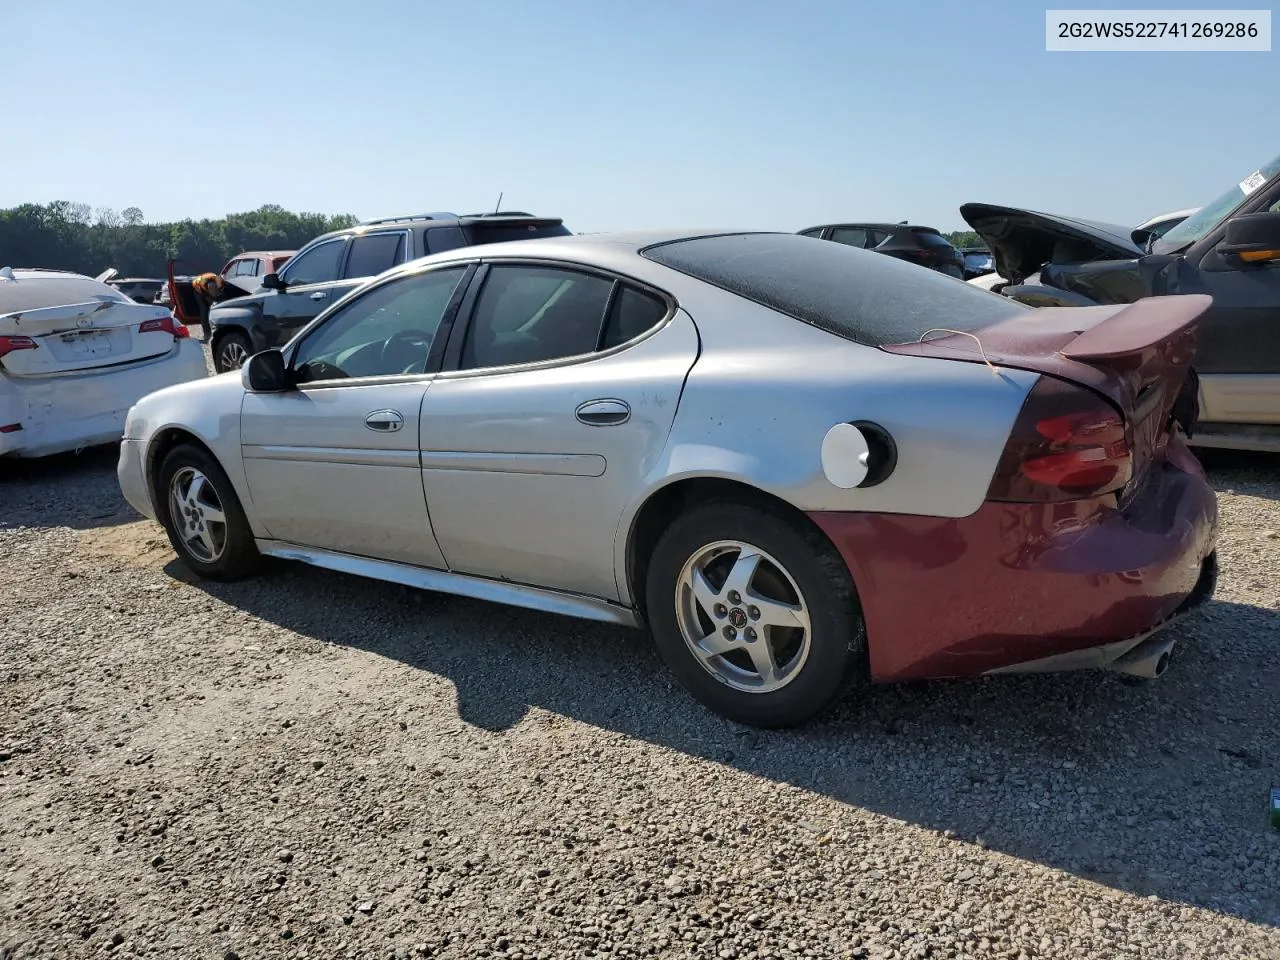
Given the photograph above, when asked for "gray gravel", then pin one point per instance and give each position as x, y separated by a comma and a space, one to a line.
312, 765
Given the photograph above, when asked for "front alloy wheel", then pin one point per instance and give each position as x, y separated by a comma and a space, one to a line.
197, 515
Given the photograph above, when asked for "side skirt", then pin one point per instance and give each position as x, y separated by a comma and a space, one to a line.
459, 584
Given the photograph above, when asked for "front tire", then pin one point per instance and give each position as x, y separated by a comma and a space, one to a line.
232, 350
754, 613
202, 515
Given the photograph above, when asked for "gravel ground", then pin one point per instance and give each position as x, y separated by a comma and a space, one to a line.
313, 765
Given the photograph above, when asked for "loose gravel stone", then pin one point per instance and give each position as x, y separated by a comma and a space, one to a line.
494, 782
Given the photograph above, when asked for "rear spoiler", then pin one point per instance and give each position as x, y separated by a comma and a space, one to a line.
485, 220
1136, 327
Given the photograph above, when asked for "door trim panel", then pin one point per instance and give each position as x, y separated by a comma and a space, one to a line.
547, 464
371, 458
1240, 398
463, 585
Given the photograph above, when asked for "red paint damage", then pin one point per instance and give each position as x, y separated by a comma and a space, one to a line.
1014, 582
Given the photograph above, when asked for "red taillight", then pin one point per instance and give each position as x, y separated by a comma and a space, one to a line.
10, 344
1068, 443
164, 325
10, 428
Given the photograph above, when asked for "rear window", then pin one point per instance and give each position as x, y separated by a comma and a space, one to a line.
36, 292
500, 233
931, 239
855, 294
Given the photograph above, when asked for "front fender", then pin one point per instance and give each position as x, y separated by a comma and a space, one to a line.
209, 411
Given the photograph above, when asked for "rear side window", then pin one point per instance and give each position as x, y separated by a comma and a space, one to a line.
529, 314
374, 253
853, 236
930, 239
855, 294
632, 314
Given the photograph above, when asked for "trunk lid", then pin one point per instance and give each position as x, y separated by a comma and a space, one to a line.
1022, 241
1137, 355
75, 337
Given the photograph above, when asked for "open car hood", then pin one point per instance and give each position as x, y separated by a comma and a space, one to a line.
1023, 241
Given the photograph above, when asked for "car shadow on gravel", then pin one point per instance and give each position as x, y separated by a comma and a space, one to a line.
1159, 789
1242, 471
77, 490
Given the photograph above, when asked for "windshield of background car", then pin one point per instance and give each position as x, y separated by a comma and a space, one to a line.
1210, 215
855, 294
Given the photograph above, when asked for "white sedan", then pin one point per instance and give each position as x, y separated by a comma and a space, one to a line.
75, 355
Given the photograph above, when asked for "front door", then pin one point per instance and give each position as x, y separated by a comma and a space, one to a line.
334, 462
311, 285
566, 389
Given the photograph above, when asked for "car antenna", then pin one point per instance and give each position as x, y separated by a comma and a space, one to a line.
499, 205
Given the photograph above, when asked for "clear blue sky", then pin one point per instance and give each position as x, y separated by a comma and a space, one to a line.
614, 114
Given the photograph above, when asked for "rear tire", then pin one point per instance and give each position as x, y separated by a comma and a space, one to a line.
769, 642
202, 515
232, 350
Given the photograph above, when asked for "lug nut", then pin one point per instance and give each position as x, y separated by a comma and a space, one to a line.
721, 611
750, 634
734, 596
753, 613
730, 633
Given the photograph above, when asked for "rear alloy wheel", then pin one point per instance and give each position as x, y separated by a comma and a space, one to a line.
203, 517
231, 353
755, 615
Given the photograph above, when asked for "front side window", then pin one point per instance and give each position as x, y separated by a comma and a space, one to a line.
527, 314
317, 265
374, 253
386, 332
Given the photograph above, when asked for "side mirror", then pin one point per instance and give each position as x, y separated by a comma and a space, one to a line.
272, 281
1253, 239
265, 372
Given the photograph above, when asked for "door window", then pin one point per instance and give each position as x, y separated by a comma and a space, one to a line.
632, 314
386, 332
373, 253
317, 265
526, 314
851, 236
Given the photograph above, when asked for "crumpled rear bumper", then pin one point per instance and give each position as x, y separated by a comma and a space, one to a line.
1015, 583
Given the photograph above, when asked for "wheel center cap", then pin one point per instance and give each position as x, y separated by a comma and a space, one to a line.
738, 617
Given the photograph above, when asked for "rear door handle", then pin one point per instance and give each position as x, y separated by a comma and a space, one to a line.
319, 295
603, 413
384, 421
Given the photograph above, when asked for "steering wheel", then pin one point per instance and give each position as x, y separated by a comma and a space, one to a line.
402, 338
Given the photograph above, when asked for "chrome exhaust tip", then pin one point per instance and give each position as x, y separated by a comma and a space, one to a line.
1147, 661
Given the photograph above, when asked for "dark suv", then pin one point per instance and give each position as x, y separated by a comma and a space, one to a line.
922, 245
332, 265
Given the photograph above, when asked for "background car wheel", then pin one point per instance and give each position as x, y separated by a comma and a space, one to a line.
755, 614
203, 517
231, 352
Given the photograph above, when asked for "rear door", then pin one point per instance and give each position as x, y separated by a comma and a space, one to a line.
312, 283
563, 388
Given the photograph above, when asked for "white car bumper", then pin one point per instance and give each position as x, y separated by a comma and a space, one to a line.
132, 473
56, 414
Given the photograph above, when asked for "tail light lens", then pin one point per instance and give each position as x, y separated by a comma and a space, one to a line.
1068, 443
10, 344
164, 325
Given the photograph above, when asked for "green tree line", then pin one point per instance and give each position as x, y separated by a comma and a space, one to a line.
73, 236
964, 238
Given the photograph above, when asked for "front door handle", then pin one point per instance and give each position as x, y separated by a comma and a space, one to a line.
384, 421
603, 413
319, 295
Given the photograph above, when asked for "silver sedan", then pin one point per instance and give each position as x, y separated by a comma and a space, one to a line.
756, 444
